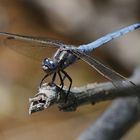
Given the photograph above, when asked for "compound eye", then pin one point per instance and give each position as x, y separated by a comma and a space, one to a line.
51, 62
45, 62
48, 64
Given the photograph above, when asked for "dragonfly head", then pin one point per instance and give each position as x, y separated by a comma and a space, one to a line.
49, 64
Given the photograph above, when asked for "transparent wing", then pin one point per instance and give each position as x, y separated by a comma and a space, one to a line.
33, 47
118, 80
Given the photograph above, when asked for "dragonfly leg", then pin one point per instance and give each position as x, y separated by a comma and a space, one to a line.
53, 78
61, 80
69, 78
64, 77
43, 79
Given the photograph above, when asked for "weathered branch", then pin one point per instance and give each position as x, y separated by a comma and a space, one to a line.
113, 124
95, 93
123, 114
116, 121
50, 94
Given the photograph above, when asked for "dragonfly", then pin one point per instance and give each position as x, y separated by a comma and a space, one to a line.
67, 54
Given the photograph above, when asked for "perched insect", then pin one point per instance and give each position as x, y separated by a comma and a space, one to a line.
68, 54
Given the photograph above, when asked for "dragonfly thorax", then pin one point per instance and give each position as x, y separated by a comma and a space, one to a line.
49, 64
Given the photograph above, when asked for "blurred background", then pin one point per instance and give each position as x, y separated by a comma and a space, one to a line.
75, 22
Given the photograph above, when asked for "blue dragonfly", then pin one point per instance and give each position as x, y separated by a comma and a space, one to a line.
68, 54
